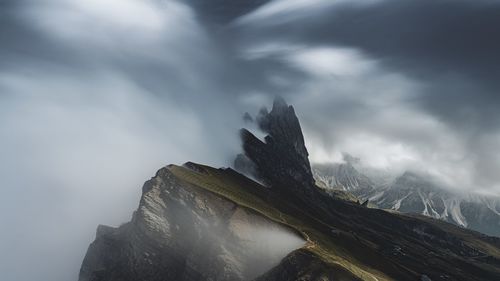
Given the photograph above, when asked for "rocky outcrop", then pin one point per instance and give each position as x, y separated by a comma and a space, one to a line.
180, 232
281, 160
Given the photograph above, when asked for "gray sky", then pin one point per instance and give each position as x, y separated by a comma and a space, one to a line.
95, 96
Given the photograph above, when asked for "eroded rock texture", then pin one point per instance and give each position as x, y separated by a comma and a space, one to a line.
281, 160
180, 232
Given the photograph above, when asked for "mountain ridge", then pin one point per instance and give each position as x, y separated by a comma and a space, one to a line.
186, 227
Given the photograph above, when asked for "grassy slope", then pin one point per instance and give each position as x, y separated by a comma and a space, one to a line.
320, 240
357, 236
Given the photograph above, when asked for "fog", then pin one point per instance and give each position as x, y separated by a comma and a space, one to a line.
87, 120
264, 245
266, 249
251, 249
211, 235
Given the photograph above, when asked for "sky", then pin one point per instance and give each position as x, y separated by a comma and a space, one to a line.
95, 96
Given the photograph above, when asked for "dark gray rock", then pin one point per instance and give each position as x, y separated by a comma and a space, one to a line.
281, 160
180, 232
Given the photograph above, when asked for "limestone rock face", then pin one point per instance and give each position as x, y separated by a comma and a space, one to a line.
180, 232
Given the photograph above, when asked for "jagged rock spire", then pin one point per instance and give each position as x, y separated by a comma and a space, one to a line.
282, 159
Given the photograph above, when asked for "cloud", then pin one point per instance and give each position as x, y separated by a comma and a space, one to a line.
330, 62
222, 12
286, 11
446, 45
74, 159
94, 99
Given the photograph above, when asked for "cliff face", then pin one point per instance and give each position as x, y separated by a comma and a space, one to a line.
180, 232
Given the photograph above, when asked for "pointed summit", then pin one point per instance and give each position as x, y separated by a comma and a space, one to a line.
282, 159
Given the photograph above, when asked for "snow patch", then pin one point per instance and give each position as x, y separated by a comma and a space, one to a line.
398, 202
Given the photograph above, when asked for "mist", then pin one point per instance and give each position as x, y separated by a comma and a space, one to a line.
88, 112
266, 248
253, 244
183, 229
264, 244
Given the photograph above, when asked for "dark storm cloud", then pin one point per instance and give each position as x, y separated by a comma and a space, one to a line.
429, 35
20, 41
418, 77
452, 46
27, 46
224, 11
94, 97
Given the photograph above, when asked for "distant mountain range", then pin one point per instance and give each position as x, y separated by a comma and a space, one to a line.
411, 193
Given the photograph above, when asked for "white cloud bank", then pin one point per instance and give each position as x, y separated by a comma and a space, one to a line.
80, 133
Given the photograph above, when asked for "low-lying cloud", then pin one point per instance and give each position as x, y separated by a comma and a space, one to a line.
103, 96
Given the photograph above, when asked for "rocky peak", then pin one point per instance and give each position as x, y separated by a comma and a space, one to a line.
283, 127
281, 160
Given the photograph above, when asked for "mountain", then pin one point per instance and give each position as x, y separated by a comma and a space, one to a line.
196, 222
414, 193
281, 160
190, 225
343, 176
